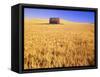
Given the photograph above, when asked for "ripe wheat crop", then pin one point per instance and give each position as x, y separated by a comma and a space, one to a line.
57, 45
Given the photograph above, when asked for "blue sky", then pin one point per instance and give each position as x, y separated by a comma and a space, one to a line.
75, 16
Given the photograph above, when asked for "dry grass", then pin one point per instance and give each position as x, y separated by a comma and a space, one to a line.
65, 45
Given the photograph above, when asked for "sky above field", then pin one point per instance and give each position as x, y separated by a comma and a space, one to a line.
75, 16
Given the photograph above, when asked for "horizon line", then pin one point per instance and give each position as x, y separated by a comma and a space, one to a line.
60, 18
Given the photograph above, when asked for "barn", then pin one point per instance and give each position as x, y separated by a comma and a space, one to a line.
54, 21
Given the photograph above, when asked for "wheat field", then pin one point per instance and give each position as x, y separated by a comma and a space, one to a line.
66, 44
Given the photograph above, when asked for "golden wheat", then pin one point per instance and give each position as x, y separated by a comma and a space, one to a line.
64, 45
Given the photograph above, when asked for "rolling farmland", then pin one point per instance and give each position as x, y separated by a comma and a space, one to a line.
66, 44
